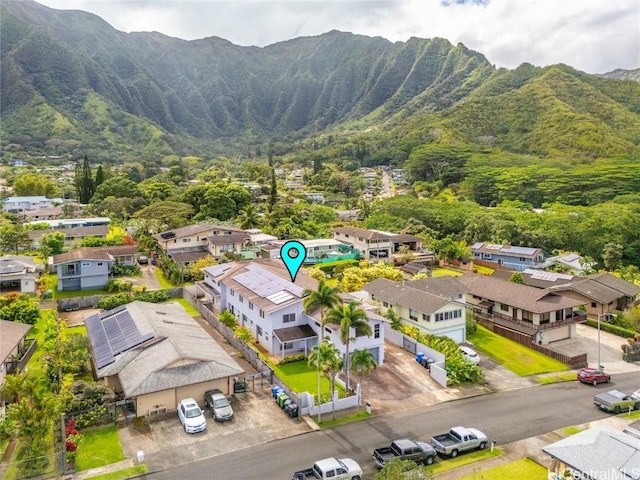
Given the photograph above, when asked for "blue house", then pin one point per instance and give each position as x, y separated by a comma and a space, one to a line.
507, 256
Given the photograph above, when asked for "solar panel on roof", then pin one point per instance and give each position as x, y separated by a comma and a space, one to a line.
218, 269
521, 250
11, 268
167, 235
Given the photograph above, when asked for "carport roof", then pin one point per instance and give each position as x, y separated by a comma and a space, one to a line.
600, 451
290, 334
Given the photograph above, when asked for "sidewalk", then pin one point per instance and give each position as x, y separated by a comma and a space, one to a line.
112, 467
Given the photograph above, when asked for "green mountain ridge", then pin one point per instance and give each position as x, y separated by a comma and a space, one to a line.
72, 82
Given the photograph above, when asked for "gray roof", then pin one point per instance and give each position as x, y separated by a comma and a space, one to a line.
93, 231
446, 286
10, 335
234, 237
95, 253
189, 230
601, 287
400, 293
507, 250
516, 295
290, 334
180, 353
599, 450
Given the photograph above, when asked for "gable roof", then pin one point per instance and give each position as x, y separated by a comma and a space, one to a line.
361, 233
507, 250
180, 352
608, 452
10, 335
601, 287
190, 230
265, 283
400, 293
71, 232
516, 295
233, 237
446, 286
95, 253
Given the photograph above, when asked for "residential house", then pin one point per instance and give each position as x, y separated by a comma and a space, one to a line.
88, 268
314, 197
571, 263
598, 452
506, 256
192, 242
63, 223
157, 354
42, 214
262, 296
321, 250
12, 345
546, 315
71, 235
602, 293
23, 204
434, 306
18, 273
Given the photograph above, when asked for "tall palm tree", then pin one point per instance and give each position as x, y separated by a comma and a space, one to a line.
325, 296
349, 317
325, 357
248, 217
363, 362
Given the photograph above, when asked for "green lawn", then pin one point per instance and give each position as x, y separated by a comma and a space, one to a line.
99, 447
519, 359
122, 474
481, 269
444, 272
361, 415
558, 377
301, 377
465, 459
187, 306
523, 468
164, 283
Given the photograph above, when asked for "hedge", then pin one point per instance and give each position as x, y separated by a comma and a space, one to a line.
616, 330
113, 301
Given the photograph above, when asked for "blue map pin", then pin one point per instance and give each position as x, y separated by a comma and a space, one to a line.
293, 254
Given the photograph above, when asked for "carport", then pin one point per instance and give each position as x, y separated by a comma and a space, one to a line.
294, 339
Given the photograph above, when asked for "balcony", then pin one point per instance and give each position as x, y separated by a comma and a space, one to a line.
526, 327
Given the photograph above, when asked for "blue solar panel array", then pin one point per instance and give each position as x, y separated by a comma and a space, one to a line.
112, 333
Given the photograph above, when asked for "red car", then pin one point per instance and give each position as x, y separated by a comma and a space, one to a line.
593, 376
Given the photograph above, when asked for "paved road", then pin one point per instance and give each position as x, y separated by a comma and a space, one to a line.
505, 417
385, 189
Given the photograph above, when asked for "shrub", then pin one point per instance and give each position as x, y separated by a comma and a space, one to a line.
607, 327
119, 269
113, 301
292, 358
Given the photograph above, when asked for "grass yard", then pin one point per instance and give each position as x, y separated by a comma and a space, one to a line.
523, 468
122, 474
99, 447
164, 283
483, 270
559, 377
301, 377
465, 459
187, 306
444, 272
361, 415
572, 430
519, 359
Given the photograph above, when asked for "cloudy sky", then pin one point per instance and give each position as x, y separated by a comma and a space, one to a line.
595, 36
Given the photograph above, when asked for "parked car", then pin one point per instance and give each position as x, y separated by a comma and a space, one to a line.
615, 401
191, 416
470, 355
219, 405
457, 440
143, 260
636, 395
331, 468
405, 449
593, 376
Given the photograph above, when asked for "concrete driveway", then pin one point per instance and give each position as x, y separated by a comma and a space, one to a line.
147, 279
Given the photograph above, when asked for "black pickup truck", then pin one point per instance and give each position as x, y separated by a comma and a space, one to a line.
405, 449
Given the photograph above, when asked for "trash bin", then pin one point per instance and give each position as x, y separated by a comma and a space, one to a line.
140, 456
291, 409
282, 396
368, 407
426, 362
419, 357
275, 389
287, 401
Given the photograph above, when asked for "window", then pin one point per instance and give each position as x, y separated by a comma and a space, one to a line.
261, 313
86, 264
241, 298
440, 317
232, 309
250, 305
593, 305
425, 317
504, 308
385, 304
413, 315
486, 255
258, 330
232, 292
186, 240
522, 259
244, 319
376, 330
288, 318
100, 264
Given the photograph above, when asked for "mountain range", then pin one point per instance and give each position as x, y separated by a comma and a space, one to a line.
71, 82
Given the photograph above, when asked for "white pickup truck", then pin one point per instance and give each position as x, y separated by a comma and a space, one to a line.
331, 468
457, 440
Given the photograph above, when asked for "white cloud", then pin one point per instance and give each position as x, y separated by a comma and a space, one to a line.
592, 35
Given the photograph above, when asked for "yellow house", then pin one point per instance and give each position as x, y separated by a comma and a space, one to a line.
157, 354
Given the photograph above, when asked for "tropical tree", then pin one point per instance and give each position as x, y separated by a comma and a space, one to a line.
349, 317
51, 244
326, 358
391, 315
227, 318
248, 217
363, 362
84, 182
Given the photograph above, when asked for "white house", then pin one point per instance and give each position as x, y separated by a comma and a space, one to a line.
23, 204
262, 296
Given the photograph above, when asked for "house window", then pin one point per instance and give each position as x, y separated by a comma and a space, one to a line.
250, 305
486, 255
385, 304
232, 292
258, 330
227, 247
522, 259
100, 264
86, 264
504, 308
593, 304
413, 315
261, 313
425, 317
241, 298
266, 337
186, 240
288, 318
376, 330
440, 317
244, 319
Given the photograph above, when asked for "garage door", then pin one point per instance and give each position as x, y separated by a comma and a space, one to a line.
456, 335
558, 333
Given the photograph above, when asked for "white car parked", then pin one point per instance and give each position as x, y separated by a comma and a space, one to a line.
470, 355
191, 416
636, 395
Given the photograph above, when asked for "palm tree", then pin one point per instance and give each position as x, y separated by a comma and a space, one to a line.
349, 317
325, 296
326, 358
248, 217
363, 362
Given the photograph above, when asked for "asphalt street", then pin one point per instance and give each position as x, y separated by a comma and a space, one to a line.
505, 417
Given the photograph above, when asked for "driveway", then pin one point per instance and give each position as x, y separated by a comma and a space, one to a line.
147, 279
